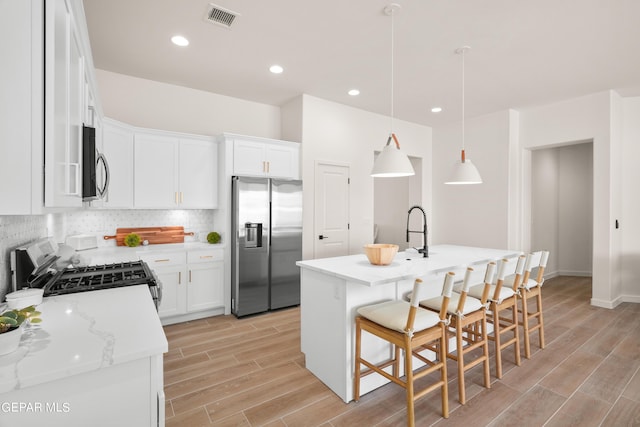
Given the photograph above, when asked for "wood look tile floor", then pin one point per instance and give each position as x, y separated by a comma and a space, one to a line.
225, 371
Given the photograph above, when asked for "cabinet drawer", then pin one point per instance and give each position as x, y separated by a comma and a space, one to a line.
206, 255
162, 259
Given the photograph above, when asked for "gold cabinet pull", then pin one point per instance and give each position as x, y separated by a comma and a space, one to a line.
179, 277
162, 260
206, 256
181, 197
176, 196
189, 276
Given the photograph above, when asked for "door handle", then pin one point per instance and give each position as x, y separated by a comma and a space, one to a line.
322, 237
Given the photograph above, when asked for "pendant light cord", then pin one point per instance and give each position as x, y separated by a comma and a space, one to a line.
392, 58
463, 51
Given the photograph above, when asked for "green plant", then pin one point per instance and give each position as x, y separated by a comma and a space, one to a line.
213, 237
132, 240
11, 319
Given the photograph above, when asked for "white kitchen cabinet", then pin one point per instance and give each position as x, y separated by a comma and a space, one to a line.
174, 172
117, 147
21, 113
198, 174
170, 268
64, 106
26, 128
269, 158
206, 278
192, 282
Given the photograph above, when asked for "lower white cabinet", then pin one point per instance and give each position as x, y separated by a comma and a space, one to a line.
206, 276
192, 282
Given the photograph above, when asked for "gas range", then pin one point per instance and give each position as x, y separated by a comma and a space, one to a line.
34, 268
105, 276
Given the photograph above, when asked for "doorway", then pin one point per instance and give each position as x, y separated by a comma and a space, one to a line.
331, 210
562, 207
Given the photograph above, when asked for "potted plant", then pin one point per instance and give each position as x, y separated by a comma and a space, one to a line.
10, 326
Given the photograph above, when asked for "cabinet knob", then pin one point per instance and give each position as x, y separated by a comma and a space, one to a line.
320, 237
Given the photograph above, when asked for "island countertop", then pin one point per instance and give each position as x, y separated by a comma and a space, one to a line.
84, 332
405, 265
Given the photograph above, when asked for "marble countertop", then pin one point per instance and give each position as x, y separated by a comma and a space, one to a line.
84, 332
405, 265
110, 254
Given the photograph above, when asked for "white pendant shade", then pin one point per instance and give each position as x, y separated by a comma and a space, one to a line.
391, 162
464, 172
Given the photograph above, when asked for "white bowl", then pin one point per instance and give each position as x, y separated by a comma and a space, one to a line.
24, 298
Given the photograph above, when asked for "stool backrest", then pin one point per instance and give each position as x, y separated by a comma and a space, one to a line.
502, 264
488, 280
543, 264
466, 283
447, 289
518, 273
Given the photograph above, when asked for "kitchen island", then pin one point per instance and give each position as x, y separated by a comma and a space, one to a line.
96, 359
332, 289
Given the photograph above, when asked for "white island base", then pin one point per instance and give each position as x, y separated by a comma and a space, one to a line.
332, 289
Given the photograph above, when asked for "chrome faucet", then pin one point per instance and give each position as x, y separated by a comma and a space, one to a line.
425, 249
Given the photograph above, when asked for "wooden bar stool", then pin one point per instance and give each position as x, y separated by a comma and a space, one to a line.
409, 328
469, 326
502, 299
532, 288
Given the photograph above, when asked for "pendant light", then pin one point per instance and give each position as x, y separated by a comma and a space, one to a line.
392, 162
464, 172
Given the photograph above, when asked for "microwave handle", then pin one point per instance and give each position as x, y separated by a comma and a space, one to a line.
102, 192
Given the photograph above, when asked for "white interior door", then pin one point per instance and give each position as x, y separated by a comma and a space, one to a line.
331, 204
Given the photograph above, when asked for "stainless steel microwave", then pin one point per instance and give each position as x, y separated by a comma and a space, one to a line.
95, 169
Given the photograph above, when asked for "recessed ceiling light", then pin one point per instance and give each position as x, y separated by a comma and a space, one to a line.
180, 41
354, 92
436, 109
276, 69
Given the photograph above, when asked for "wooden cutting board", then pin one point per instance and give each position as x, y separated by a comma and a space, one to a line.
155, 235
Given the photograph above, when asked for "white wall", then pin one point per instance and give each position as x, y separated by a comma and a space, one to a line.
583, 119
337, 133
473, 215
630, 218
151, 104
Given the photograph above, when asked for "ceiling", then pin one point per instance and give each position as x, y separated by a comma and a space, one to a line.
523, 53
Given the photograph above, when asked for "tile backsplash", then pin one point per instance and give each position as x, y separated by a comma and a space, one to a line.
15, 231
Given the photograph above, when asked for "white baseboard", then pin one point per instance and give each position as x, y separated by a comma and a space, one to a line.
574, 273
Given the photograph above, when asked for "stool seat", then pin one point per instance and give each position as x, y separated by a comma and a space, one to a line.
470, 304
393, 315
528, 284
504, 293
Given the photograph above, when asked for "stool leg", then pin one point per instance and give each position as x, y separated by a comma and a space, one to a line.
516, 333
496, 335
540, 319
525, 324
485, 351
356, 385
409, 378
460, 350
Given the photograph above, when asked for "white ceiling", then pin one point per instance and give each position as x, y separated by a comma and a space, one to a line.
523, 53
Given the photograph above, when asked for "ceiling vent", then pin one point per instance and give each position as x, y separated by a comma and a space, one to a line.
220, 16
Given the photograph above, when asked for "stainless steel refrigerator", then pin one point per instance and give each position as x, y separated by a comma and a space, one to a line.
267, 230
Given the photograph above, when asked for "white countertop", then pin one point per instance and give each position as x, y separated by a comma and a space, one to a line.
109, 254
405, 265
82, 332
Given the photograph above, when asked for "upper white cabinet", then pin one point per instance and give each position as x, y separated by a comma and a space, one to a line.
48, 63
65, 107
175, 172
21, 113
263, 157
198, 174
117, 147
